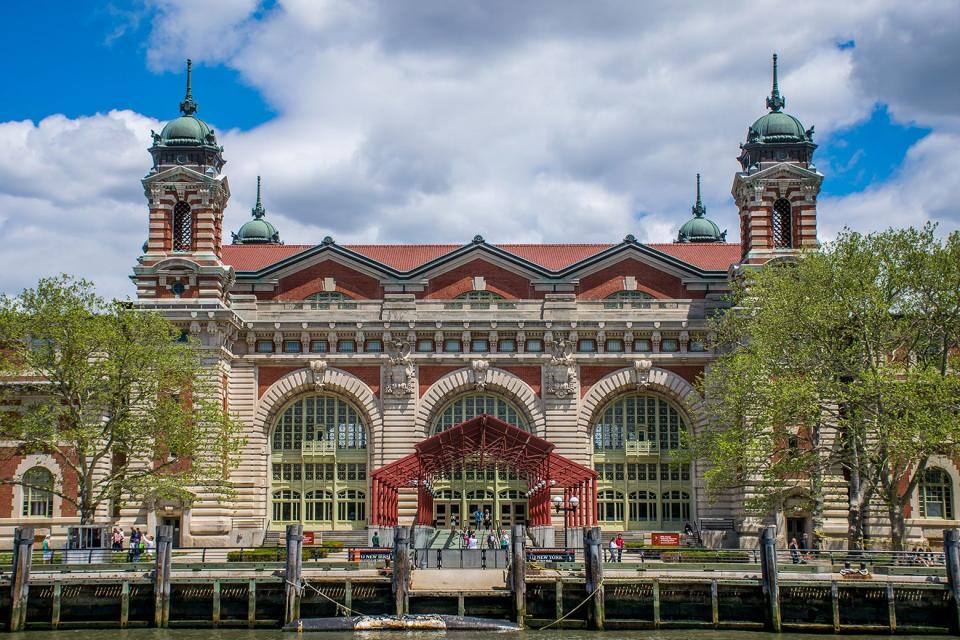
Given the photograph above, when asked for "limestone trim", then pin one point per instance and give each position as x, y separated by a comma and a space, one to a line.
303, 381
641, 380
952, 471
50, 464
463, 381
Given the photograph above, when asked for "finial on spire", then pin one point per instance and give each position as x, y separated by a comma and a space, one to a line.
698, 209
188, 107
258, 211
775, 102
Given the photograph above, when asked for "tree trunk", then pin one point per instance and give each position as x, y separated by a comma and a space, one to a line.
898, 524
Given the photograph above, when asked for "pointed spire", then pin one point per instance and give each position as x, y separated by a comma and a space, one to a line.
258, 211
698, 209
188, 107
775, 102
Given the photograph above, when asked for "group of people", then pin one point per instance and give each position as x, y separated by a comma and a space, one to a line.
140, 544
616, 549
494, 538
924, 557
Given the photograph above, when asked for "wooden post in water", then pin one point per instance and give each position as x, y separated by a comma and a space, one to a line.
20, 581
400, 582
161, 577
518, 572
951, 554
768, 570
293, 573
593, 572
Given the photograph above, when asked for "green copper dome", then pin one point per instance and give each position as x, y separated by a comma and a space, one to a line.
187, 130
700, 228
258, 230
777, 127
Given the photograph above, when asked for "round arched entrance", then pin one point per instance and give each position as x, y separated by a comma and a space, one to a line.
495, 490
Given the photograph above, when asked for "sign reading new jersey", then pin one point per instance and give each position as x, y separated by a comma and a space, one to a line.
665, 539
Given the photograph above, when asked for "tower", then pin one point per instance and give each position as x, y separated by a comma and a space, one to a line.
777, 187
187, 194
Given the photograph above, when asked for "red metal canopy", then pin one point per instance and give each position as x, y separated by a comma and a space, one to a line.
480, 441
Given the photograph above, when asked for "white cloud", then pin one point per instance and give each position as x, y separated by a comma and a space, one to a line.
432, 121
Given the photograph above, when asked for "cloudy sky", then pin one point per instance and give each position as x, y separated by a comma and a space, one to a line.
434, 120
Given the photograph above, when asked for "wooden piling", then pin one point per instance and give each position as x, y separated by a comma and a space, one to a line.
293, 573
715, 602
518, 572
252, 603
891, 608
593, 573
400, 581
951, 552
558, 595
768, 570
656, 603
216, 603
57, 605
835, 604
20, 581
348, 597
161, 577
124, 604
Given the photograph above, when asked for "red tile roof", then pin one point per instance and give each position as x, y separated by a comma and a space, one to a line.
554, 257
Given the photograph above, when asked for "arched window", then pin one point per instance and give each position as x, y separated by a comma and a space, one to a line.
628, 300
636, 440
643, 506
330, 300
609, 506
182, 227
936, 494
351, 506
286, 506
319, 458
475, 300
676, 506
472, 405
480, 495
37, 493
642, 423
447, 494
319, 505
782, 224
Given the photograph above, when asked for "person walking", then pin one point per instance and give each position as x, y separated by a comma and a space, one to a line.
505, 541
613, 550
619, 542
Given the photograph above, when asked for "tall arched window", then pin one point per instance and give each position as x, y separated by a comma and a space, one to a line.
472, 405
182, 227
319, 460
38, 493
782, 224
936, 494
637, 439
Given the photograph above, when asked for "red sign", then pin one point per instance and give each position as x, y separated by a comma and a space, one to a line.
665, 539
308, 537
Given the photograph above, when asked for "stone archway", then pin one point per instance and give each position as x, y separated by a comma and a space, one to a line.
490, 380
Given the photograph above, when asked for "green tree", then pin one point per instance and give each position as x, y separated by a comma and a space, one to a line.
826, 373
126, 404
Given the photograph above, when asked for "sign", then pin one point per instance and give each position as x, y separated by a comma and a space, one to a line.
665, 539
550, 555
307, 537
371, 553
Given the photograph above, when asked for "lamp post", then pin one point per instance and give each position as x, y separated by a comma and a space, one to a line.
560, 508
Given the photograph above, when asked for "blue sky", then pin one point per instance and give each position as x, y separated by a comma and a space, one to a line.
430, 121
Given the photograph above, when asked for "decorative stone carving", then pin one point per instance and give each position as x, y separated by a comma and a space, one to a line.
318, 369
480, 370
562, 370
401, 374
641, 373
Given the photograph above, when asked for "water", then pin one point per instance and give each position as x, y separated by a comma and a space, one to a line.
275, 634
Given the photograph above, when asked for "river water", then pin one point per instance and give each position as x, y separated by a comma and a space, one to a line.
273, 634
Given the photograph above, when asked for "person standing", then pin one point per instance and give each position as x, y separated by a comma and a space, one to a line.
794, 551
613, 549
619, 542
376, 540
505, 541
478, 518
135, 537
47, 551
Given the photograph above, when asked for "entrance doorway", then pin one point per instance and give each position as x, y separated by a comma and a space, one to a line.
175, 523
797, 528
512, 513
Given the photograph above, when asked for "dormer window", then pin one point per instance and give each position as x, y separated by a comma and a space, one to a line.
628, 300
782, 224
182, 227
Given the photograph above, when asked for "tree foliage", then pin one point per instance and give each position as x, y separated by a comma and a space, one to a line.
114, 392
837, 366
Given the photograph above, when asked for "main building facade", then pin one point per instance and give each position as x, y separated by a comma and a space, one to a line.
341, 359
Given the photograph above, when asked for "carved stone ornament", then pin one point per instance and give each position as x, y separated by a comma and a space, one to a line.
641, 373
561, 380
318, 369
480, 370
401, 379
399, 352
561, 353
